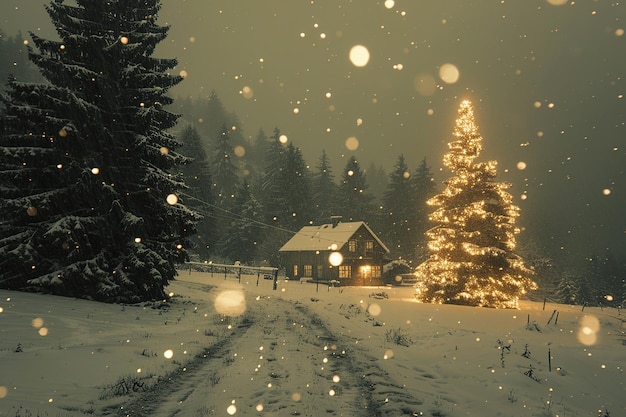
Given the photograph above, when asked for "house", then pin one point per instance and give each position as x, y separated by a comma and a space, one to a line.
306, 254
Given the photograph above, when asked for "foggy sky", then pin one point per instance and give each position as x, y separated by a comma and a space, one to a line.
546, 82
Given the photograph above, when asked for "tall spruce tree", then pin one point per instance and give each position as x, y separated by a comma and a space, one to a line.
400, 212
225, 169
296, 185
197, 176
324, 190
423, 185
354, 202
85, 160
473, 259
242, 236
274, 198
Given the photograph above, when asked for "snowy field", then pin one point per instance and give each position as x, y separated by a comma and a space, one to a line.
223, 348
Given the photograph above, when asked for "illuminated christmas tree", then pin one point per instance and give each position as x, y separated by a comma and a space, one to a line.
472, 247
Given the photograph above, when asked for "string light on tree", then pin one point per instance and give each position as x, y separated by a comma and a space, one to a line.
472, 247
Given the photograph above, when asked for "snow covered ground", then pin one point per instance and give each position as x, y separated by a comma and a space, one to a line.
223, 347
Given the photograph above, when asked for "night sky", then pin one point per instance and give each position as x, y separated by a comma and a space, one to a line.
547, 82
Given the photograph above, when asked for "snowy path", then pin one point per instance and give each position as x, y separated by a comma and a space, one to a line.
300, 350
291, 363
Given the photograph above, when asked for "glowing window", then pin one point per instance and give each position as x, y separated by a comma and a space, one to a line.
375, 271
345, 271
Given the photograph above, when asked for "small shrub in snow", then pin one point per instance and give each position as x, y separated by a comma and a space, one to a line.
398, 337
124, 386
379, 295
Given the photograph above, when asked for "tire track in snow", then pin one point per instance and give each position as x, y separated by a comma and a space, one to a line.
285, 363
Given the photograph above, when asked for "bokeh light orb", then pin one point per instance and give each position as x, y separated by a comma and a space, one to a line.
335, 258
230, 303
352, 143
247, 92
425, 84
588, 330
172, 199
374, 309
449, 73
359, 55
239, 151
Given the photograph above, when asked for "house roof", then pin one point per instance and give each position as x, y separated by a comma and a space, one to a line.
312, 238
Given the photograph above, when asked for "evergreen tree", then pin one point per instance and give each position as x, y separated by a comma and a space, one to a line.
296, 185
354, 203
567, 289
324, 190
258, 150
424, 188
473, 259
400, 212
225, 170
85, 160
197, 176
243, 234
377, 181
214, 117
603, 280
274, 197
255, 151
612, 275
286, 194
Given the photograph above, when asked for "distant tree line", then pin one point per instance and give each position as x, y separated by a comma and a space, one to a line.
89, 150
597, 280
253, 195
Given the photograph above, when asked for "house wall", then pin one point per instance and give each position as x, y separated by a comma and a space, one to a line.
364, 261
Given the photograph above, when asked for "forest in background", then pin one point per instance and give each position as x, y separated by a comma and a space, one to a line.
253, 192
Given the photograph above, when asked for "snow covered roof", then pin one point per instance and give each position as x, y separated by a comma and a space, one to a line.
311, 238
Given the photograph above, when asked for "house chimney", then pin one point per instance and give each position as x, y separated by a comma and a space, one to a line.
335, 220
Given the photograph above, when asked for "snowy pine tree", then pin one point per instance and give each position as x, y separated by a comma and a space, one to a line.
567, 289
242, 237
197, 176
224, 166
274, 199
400, 211
353, 201
324, 190
89, 208
423, 188
472, 247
